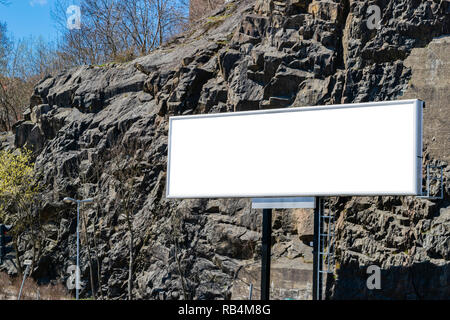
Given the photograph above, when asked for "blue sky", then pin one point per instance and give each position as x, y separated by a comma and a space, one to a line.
29, 18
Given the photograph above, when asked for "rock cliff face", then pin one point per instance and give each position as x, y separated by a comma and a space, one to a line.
94, 127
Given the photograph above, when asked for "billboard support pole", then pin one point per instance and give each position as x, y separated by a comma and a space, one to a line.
265, 254
317, 263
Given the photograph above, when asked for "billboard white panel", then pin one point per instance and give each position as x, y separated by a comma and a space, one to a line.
339, 150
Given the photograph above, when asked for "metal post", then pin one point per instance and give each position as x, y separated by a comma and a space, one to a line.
265, 256
23, 281
250, 292
77, 271
317, 259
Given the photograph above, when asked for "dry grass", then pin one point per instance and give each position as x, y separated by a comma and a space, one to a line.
9, 290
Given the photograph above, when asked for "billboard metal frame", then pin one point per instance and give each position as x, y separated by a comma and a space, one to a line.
268, 203
418, 124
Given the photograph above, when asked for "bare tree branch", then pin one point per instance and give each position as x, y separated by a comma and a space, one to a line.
114, 30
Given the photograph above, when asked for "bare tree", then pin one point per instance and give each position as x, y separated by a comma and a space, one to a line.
126, 170
89, 249
22, 64
5, 45
113, 30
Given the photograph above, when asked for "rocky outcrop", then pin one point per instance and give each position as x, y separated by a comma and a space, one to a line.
94, 127
408, 239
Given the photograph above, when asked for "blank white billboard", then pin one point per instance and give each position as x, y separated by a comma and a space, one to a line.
339, 150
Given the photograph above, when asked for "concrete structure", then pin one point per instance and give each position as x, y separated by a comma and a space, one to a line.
430, 81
